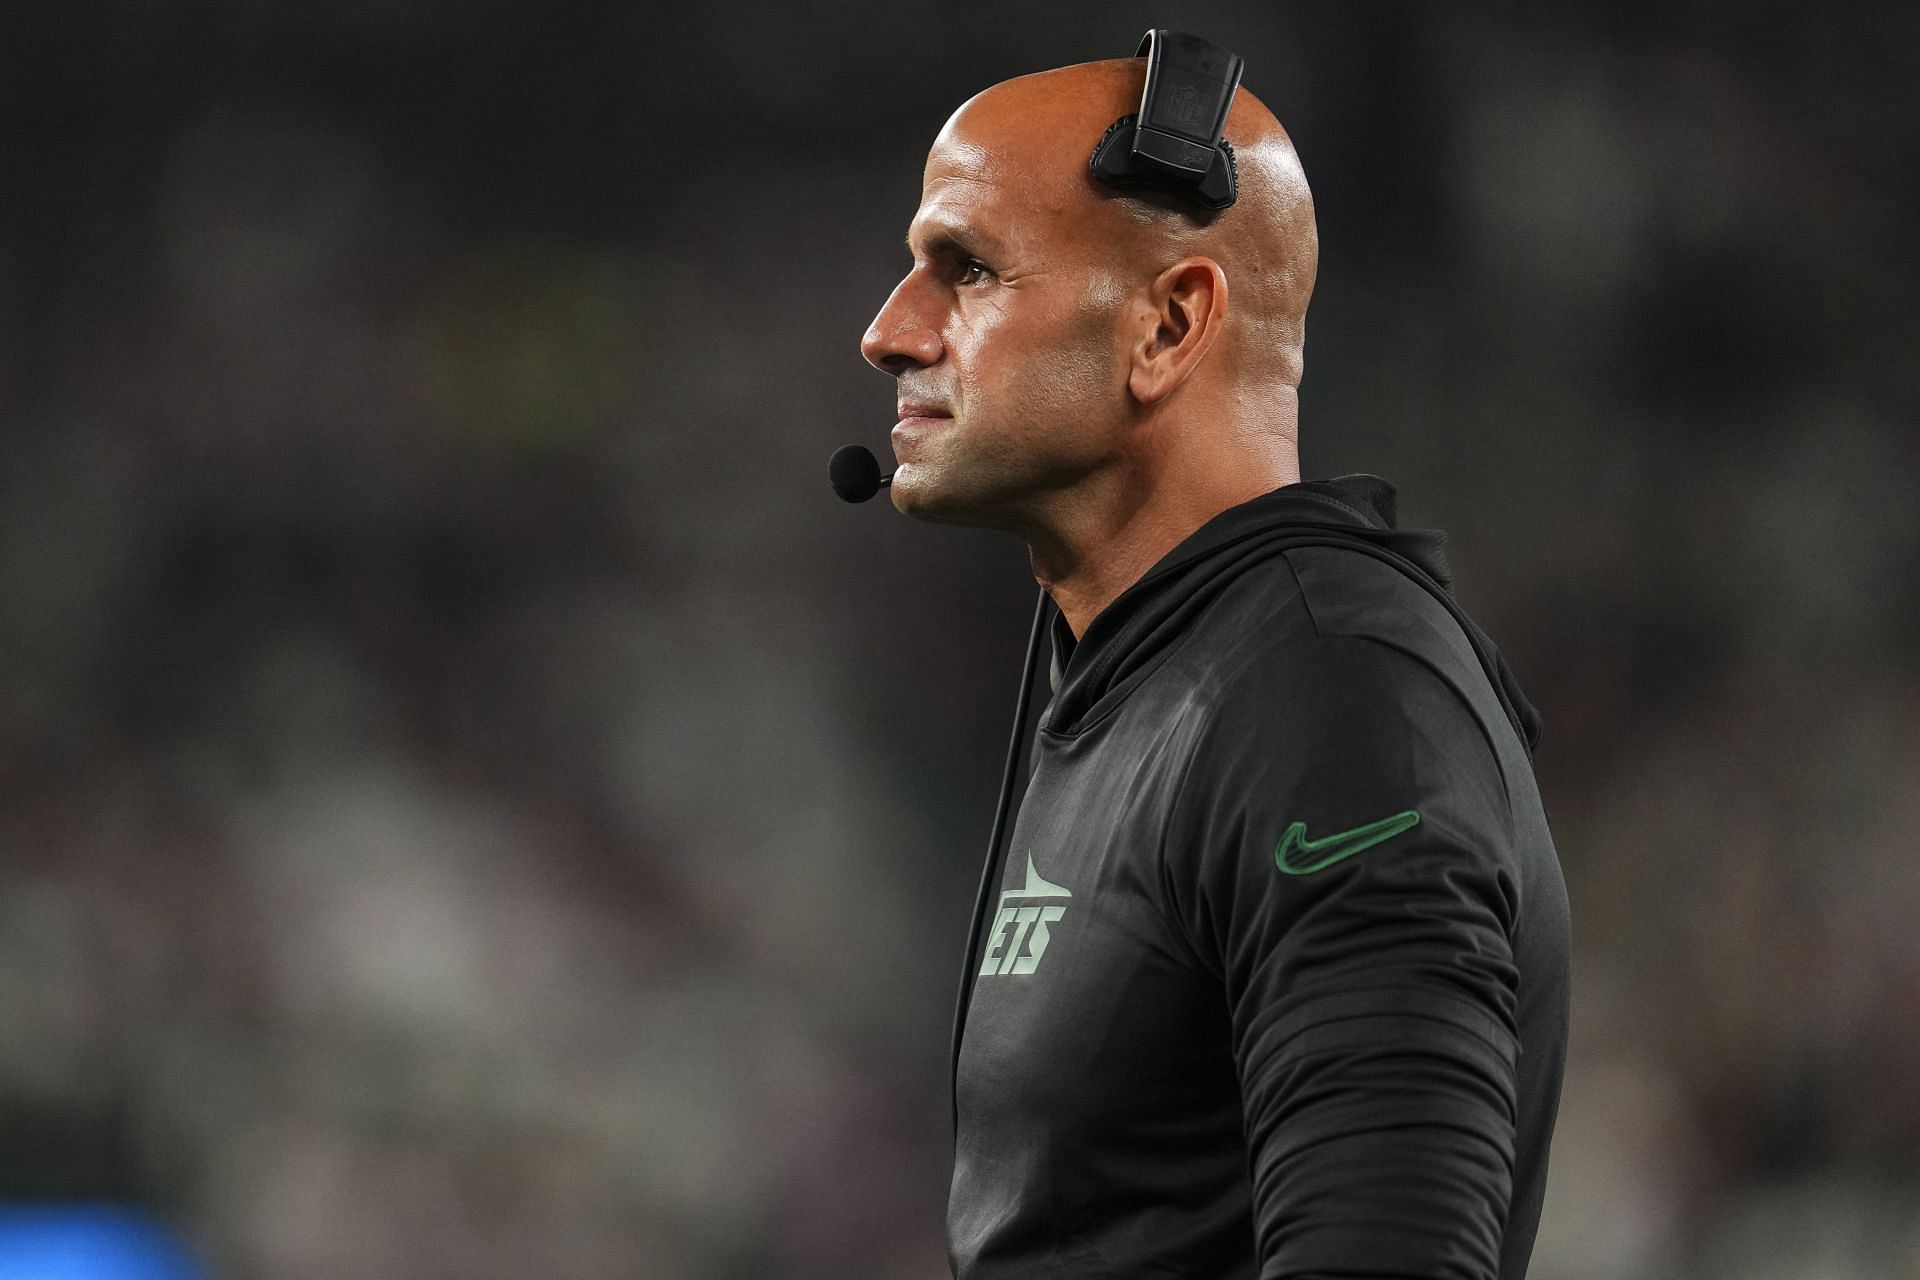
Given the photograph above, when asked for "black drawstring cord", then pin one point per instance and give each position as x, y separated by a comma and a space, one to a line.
990, 874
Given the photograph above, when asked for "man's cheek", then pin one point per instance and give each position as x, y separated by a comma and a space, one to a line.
989, 332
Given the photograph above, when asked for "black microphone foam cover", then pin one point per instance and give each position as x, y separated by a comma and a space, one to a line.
855, 473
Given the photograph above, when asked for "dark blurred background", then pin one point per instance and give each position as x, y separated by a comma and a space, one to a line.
473, 805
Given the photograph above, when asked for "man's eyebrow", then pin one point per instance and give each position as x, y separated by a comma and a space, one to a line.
949, 240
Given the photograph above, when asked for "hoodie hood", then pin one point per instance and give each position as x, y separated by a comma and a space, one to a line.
1132, 634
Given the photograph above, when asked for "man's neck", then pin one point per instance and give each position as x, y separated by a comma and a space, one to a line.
1092, 554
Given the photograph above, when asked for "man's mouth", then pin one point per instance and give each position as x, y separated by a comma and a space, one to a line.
918, 422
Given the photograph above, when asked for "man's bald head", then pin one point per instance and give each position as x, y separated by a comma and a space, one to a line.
1038, 131
1061, 348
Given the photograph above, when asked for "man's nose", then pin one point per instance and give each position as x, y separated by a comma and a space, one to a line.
898, 339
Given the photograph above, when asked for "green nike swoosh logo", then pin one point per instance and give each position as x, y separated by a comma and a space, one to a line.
1328, 850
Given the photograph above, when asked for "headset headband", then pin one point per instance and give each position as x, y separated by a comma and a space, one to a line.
1173, 142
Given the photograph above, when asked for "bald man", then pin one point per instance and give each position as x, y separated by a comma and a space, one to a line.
1275, 981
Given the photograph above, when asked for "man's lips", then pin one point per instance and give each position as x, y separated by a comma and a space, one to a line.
915, 420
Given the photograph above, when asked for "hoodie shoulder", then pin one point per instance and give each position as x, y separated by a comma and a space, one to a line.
1346, 593
1350, 594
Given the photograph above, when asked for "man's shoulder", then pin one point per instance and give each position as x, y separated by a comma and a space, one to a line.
1349, 592
1329, 630
1264, 631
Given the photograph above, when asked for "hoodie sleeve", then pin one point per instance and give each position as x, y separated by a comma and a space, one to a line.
1340, 856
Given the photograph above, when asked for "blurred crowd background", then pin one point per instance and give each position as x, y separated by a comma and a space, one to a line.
473, 805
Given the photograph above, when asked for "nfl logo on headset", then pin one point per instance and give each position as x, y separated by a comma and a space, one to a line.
1187, 104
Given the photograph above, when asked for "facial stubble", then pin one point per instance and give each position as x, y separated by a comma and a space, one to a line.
1017, 446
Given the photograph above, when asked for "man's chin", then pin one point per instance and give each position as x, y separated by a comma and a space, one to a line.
924, 493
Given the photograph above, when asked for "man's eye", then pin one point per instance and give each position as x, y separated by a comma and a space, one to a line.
974, 271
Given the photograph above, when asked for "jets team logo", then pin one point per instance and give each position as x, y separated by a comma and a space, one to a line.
1019, 937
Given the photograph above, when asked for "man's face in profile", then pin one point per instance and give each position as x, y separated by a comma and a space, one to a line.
1003, 334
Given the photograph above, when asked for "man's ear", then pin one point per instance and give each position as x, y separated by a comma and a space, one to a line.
1183, 311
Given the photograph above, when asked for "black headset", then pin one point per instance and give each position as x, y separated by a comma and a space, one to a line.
1173, 143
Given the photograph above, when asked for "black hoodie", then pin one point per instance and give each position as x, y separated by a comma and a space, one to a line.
1275, 982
